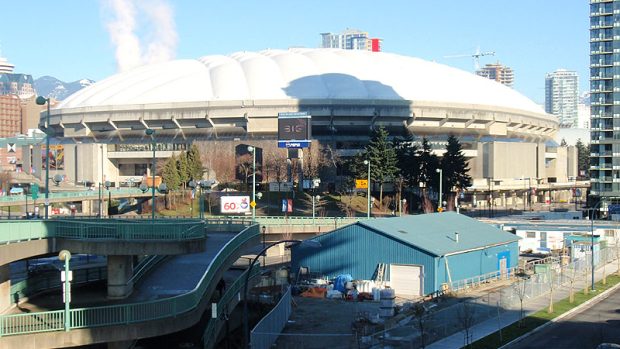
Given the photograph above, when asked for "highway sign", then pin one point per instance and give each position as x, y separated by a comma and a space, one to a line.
361, 184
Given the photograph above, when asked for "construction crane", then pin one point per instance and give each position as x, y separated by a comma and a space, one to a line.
476, 56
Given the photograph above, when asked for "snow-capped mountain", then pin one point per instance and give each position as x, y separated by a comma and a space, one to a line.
49, 86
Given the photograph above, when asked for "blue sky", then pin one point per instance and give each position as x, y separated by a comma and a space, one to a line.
70, 39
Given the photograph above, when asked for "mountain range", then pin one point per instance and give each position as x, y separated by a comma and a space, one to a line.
50, 87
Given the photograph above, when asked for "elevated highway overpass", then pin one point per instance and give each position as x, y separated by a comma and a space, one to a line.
203, 250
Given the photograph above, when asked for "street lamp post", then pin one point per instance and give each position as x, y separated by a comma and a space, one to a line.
252, 150
192, 184
107, 187
246, 325
150, 132
65, 256
317, 197
41, 101
598, 204
439, 204
367, 162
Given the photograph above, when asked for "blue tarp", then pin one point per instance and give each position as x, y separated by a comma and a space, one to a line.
340, 282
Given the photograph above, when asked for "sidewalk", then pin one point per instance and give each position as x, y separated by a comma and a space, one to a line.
511, 315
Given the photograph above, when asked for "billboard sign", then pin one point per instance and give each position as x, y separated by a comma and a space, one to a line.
294, 130
234, 204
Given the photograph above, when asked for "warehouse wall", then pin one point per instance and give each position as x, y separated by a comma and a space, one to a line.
357, 250
471, 264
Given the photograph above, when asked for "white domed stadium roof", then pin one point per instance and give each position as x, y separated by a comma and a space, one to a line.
299, 74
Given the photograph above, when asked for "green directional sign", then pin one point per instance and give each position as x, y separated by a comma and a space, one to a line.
34, 190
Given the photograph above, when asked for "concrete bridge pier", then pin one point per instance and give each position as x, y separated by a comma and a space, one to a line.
5, 287
120, 271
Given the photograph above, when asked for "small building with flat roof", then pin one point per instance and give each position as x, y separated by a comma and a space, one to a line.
422, 254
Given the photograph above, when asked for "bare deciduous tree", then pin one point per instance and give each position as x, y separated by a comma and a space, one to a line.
421, 319
520, 290
465, 314
551, 278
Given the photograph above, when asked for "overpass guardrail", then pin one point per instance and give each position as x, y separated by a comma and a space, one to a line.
90, 194
137, 230
123, 314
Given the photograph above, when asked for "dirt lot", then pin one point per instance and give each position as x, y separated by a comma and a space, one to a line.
321, 323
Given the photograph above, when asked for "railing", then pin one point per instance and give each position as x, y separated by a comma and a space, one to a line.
129, 230
15, 230
36, 284
210, 334
76, 195
477, 281
294, 220
123, 314
266, 332
142, 230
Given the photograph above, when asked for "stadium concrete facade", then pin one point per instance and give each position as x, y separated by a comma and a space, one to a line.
236, 99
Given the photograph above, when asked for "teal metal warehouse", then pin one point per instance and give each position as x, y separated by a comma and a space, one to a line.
421, 252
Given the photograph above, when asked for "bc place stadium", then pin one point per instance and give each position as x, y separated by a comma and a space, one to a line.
221, 101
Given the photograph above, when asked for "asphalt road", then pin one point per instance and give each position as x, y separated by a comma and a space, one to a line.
597, 324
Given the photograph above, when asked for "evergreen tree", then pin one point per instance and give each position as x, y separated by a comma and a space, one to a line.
455, 169
583, 158
383, 160
183, 169
408, 161
429, 163
170, 173
194, 163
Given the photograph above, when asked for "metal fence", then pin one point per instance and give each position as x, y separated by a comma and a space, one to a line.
266, 332
164, 229
224, 306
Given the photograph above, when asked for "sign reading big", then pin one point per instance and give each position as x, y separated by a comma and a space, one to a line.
234, 204
294, 126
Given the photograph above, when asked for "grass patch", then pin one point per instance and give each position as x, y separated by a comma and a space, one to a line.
541, 317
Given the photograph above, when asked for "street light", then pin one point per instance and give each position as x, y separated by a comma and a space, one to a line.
41, 101
252, 150
598, 204
150, 132
246, 327
192, 184
439, 203
107, 186
101, 185
317, 197
65, 277
367, 162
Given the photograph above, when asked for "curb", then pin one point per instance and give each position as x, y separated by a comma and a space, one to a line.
598, 298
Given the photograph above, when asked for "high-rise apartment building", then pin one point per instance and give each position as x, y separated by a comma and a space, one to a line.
562, 96
18, 111
604, 112
350, 39
498, 72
